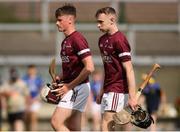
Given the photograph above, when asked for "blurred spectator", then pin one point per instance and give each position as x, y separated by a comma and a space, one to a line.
0, 106
177, 106
166, 109
0, 80
96, 84
92, 116
34, 83
16, 94
152, 93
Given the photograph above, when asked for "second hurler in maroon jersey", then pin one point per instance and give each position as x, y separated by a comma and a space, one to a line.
114, 50
119, 81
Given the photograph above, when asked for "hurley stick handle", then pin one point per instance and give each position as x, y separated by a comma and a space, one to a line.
52, 68
144, 83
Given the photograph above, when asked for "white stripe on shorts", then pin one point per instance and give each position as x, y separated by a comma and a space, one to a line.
115, 102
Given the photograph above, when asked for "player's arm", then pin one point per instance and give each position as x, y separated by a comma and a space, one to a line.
131, 83
88, 69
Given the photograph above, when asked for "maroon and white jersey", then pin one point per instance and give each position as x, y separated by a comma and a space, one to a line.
74, 49
114, 49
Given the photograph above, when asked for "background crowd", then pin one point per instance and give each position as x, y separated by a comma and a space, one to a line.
20, 99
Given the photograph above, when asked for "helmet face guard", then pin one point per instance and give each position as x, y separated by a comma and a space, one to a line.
141, 118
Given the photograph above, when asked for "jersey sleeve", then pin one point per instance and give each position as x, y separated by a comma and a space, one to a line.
81, 47
123, 49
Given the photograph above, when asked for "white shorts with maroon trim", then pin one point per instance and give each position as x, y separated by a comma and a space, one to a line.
77, 98
113, 101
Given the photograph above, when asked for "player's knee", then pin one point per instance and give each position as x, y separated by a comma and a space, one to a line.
54, 123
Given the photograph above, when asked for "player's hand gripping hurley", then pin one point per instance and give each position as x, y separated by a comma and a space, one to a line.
127, 115
46, 93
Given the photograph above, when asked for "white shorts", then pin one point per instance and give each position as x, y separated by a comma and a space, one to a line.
77, 98
113, 101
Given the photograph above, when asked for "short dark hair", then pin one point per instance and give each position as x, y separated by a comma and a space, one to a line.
13, 74
31, 66
67, 9
105, 10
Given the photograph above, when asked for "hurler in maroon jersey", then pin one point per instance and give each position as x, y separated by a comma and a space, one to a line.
77, 64
74, 49
119, 81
